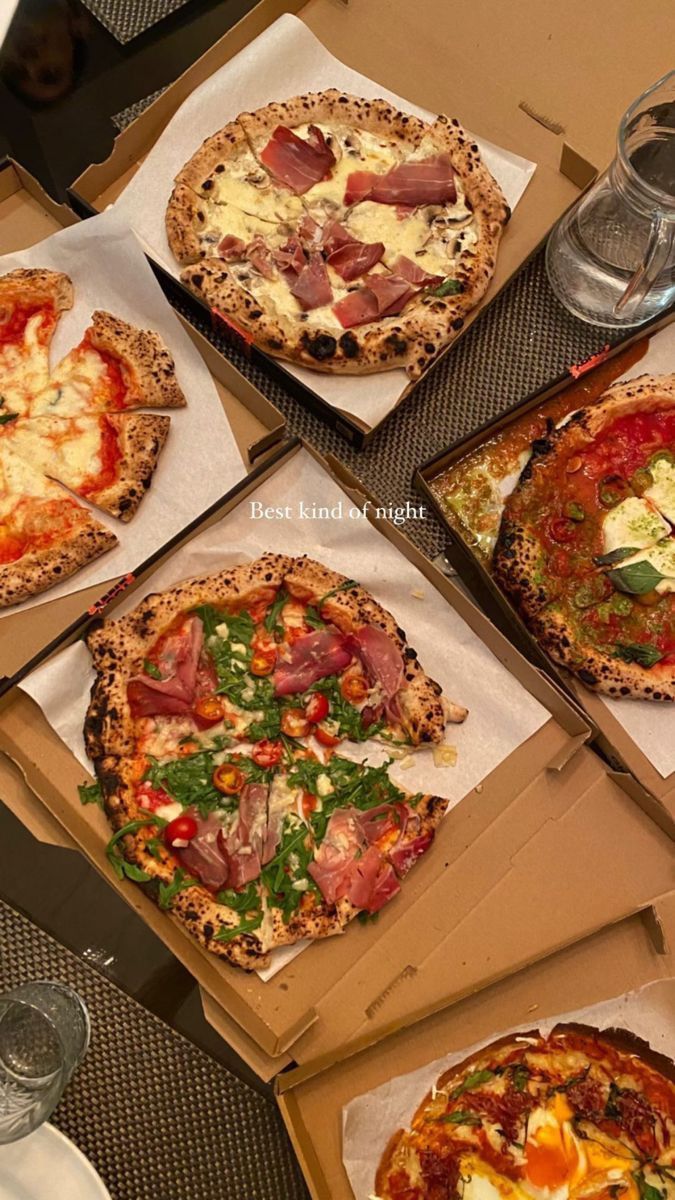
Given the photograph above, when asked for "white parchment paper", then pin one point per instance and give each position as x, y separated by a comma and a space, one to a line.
284, 61
651, 725
502, 715
109, 271
370, 1120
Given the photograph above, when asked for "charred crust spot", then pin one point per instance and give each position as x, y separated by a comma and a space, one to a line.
541, 446
429, 348
588, 677
198, 279
349, 345
321, 346
409, 653
220, 168
397, 345
255, 313
274, 344
458, 323
207, 185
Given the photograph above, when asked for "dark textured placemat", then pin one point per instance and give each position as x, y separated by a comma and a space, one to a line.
157, 1117
125, 19
121, 119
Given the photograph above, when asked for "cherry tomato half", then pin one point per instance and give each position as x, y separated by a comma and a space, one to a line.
181, 829
228, 779
262, 662
294, 722
561, 529
317, 707
308, 803
267, 753
325, 737
354, 688
209, 710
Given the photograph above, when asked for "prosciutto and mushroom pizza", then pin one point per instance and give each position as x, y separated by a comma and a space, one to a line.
338, 232
586, 547
215, 727
576, 1115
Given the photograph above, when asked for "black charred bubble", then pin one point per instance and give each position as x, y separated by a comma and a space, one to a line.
207, 185
321, 346
397, 345
541, 446
349, 345
587, 677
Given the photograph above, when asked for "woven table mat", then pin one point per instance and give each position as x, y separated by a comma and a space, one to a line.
125, 19
156, 1116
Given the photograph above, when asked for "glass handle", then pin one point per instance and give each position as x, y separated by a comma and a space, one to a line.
656, 258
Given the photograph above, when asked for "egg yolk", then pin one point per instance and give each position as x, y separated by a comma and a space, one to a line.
551, 1154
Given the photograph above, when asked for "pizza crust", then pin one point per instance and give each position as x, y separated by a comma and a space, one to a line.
36, 285
153, 382
141, 440
41, 569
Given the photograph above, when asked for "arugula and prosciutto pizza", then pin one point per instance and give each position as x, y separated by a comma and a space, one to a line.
339, 232
71, 428
586, 547
576, 1115
214, 726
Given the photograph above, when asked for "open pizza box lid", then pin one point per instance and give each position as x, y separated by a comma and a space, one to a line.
617, 959
650, 787
27, 216
537, 823
532, 99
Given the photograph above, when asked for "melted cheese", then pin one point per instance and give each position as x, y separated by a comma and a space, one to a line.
228, 219
662, 558
65, 449
25, 367
19, 479
662, 491
433, 243
73, 385
632, 523
246, 186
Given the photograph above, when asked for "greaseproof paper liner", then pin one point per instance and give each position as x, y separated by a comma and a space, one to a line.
284, 61
370, 1120
200, 460
502, 714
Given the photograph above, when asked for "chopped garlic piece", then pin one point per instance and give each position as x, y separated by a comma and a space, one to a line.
445, 756
300, 885
222, 630
324, 787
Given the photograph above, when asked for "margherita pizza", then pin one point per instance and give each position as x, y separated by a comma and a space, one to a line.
586, 547
70, 428
577, 1115
338, 232
215, 725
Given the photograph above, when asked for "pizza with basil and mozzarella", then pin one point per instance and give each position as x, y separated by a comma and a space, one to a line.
67, 429
215, 727
577, 1114
586, 547
338, 232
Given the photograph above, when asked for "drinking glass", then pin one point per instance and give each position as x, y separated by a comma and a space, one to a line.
44, 1035
611, 258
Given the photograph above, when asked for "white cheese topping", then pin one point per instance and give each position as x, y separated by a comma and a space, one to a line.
662, 558
662, 491
633, 523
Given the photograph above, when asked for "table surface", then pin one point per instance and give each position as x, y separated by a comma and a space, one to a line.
58, 118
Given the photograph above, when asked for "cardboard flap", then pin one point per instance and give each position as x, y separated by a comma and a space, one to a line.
20, 800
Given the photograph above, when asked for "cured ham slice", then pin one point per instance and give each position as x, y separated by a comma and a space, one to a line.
297, 162
312, 287
353, 860
382, 296
334, 859
407, 269
177, 663
205, 856
312, 658
429, 181
381, 657
372, 881
406, 854
245, 844
356, 258
231, 248
259, 255
290, 259
334, 235
310, 233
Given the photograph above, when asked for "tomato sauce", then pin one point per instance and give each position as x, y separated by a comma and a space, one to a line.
110, 455
117, 385
36, 525
13, 329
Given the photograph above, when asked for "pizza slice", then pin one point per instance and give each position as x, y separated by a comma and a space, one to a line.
45, 535
107, 458
31, 302
115, 367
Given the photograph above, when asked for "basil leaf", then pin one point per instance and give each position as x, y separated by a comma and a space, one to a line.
459, 1118
614, 556
645, 655
246, 926
472, 1081
5, 418
168, 891
90, 793
636, 578
151, 670
449, 287
647, 1190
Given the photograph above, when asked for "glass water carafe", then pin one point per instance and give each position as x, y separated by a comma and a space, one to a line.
611, 258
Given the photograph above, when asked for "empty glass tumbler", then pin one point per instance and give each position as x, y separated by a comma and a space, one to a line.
44, 1035
611, 258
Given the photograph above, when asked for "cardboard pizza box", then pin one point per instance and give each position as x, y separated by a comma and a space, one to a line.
649, 787
522, 76
27, 216
537, 823
618, 959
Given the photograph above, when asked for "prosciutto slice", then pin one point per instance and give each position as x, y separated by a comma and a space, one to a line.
372, 881
259, 255
290, 259
244, 846
355, 258
332, 864
381, 657
382, 296
428, 181
324, 652
205, 856
365, 853
177, 663
312, 287
231, 248
296, 162
310, 233
407, 269
334, 235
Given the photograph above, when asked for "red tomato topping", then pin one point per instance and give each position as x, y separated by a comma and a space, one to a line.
266, 753
262, 662
209, 710
228, 779
295, 632
308, 803
294, 722
354, 688
325, 737
181, 829
317, 707
561, 529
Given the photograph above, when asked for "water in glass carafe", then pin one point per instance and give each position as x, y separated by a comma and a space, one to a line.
611, 258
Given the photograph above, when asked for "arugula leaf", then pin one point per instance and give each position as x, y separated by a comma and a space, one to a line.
151, 670
346, 714
115, 857
272, 624
647, 1190
638, 652
6, 417
240, 901
472, 1081
463, 1117
210, 618
153, 846
246, 926
636, 578
90, 793
313, 619
449, 287
168, 891
342, 587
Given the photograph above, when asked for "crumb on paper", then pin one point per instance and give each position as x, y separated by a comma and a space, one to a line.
478, 788
418, 593
406, 762
445, 756
533, 1007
